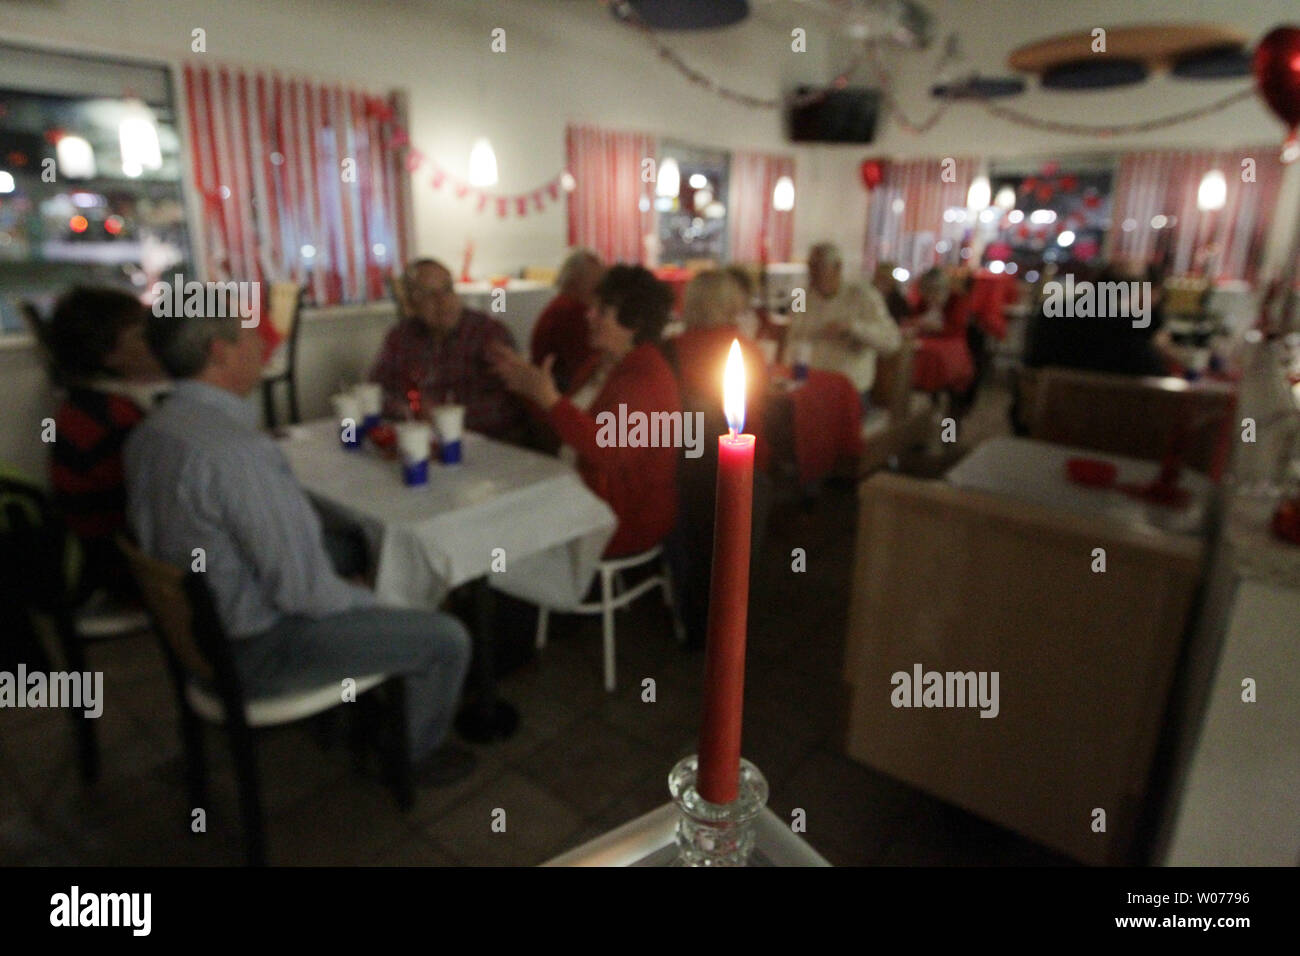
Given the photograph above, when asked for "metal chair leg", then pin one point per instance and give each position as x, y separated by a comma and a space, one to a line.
607, 626
192, 738
268, 402
539, 640
250, 801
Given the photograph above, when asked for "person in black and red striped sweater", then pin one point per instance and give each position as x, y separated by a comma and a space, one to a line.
95, 340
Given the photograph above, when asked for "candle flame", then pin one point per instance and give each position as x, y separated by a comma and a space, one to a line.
733, 389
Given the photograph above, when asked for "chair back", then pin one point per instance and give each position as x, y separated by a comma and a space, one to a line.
39, 560
954, 581
1137, 417
186, 636
285, 305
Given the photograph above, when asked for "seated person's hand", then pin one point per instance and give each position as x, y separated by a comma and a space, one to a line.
535, 383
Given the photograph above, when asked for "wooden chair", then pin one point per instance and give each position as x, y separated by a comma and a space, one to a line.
208, 687
284, 312
961, 581
1138, 417
36, 591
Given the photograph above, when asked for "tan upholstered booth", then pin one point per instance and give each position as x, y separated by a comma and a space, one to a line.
963, 581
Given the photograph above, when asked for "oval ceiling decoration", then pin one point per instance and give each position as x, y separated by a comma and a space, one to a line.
1188, 50
688, 14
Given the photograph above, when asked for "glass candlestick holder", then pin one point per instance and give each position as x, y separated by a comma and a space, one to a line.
715, 834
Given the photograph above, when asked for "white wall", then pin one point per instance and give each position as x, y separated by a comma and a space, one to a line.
566, 60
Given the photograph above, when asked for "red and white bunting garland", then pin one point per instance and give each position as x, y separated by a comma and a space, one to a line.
438, 177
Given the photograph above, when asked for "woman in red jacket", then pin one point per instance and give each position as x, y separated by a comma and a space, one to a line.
627, 375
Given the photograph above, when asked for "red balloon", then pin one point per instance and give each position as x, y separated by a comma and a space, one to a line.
1029, 185
1068, 184
1277, 73
1043, 193
1051, 169
1092, 200
872, 172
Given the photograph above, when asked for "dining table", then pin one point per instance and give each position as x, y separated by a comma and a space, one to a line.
1036, 472
504, 518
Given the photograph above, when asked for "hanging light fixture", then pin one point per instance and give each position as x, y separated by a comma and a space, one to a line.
1006, 198
6, 181
1213, 192
980, 193
138, 137
76, 157
482, 163
669, 182
783, 194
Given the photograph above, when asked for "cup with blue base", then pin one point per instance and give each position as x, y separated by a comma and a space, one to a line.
450, 422
348, 413
413, 441
370, 398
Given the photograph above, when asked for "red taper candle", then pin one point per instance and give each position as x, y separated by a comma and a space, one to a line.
718, 777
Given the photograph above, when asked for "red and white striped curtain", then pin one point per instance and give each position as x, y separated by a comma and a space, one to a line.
610, 209
1227, 243
299, 181
750, 213
905, 221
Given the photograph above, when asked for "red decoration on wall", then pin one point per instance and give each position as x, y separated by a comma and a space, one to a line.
482, 202
1277, 78
872, 172
501, 206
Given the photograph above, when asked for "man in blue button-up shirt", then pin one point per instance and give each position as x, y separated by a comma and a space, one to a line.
200, 474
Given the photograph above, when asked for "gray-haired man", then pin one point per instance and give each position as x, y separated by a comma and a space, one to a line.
200, 474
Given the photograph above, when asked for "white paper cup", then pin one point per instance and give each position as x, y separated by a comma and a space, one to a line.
348, 413
413, 440
450, 422
370, 396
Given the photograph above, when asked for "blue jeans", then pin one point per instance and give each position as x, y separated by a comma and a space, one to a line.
431, 649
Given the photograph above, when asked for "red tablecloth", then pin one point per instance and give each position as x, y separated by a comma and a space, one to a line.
942, 362
827, 415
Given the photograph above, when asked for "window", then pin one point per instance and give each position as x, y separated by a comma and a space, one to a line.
90, 178
693, 216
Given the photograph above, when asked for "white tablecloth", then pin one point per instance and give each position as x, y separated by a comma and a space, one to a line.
429, 539
1035, 471
524, 301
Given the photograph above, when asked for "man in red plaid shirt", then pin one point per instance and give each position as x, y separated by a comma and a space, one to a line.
439, 349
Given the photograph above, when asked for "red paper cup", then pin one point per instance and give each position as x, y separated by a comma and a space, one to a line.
1092, 472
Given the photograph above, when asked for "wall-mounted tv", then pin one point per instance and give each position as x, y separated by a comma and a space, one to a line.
840, 116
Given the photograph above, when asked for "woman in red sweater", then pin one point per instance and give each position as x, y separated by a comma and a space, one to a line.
628, 374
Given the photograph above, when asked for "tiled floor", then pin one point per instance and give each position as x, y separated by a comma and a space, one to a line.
582, 762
